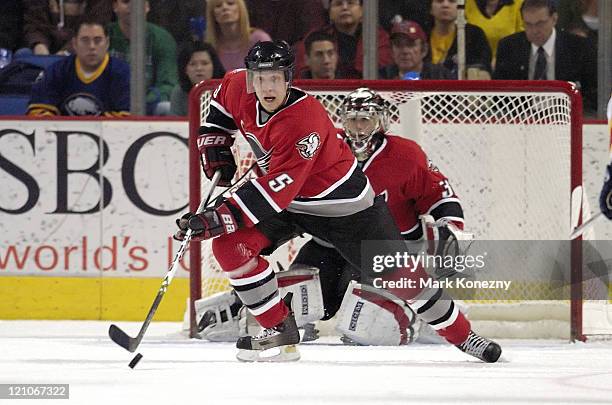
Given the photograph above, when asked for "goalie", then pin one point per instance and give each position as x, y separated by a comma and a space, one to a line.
413, 187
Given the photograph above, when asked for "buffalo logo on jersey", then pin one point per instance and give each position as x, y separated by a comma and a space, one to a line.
308, 145
82, 104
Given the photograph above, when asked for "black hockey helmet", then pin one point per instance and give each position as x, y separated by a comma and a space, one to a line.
367, 105
270, 55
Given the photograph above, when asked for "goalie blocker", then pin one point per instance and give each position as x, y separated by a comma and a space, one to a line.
367, 316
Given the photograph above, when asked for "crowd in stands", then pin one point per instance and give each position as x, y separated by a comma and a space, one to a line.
188, 41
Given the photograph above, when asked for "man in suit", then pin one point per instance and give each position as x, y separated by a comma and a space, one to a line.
543, 53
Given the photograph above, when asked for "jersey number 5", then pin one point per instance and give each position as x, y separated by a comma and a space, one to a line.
280, 182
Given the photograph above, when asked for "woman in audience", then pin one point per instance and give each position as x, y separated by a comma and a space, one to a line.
497, 18
230, 32
197, 61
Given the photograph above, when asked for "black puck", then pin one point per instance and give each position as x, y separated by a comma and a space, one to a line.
135, 360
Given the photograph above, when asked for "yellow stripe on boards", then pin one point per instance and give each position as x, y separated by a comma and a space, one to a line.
121, 299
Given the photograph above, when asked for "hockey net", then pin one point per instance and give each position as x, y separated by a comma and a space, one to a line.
513, 154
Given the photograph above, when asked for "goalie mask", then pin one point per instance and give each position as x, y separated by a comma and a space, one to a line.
364, 113
269, 56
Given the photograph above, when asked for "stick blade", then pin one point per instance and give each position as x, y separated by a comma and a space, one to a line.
122, 339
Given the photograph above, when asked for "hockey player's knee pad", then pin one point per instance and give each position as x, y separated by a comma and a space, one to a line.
235, 249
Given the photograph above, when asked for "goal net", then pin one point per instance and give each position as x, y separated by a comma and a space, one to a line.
513, 153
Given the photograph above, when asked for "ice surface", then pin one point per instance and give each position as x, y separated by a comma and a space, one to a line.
176, 370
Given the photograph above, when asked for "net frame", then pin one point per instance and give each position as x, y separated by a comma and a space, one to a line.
529, 88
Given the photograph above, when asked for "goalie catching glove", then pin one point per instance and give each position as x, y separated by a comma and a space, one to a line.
446, 240
216, 154
208, 224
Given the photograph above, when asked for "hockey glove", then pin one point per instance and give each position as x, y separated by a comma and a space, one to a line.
208, 224
447, 241
605, 197
216, 154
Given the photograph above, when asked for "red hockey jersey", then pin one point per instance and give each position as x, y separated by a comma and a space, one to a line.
307, 166
411, 184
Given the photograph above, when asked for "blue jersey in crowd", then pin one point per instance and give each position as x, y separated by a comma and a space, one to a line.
64, 89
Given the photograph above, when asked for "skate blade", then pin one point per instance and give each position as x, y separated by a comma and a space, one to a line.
274, 355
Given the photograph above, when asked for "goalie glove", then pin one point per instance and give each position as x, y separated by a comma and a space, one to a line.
445, 240
605, 197
216, 154
208, 224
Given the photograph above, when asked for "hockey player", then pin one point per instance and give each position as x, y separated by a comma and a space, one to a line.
311, 183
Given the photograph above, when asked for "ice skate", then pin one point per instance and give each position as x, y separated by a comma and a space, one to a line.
481, 348
276, 344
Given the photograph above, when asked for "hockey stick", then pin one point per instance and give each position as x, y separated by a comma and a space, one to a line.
119, 336
580, 230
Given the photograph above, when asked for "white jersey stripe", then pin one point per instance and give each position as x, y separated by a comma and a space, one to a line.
209, 125
454, 219
449, 321
265, 194
245, 209
275, 300
221, 108
442, 201
337, 201
252, 279
376, 153
417, 225
337, 183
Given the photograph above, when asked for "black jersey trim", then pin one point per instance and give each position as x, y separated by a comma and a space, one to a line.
255, 202
217, 119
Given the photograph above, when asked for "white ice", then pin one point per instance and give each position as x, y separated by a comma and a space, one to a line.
175, 370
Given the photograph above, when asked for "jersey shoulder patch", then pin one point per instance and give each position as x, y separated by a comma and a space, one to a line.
308, 145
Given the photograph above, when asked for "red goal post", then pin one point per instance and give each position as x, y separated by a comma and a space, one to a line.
469, 129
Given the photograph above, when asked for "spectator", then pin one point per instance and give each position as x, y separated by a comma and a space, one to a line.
322, 58
543, 53
345, 28
160, 51
288, 20
230, 32
580, 17
409, 50
197, 61
443, 39
497, 18
90, 82
392, 11
50, 24
11, 21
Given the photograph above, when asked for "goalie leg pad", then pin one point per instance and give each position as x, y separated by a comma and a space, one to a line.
217, 317
370, 316
303, 281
